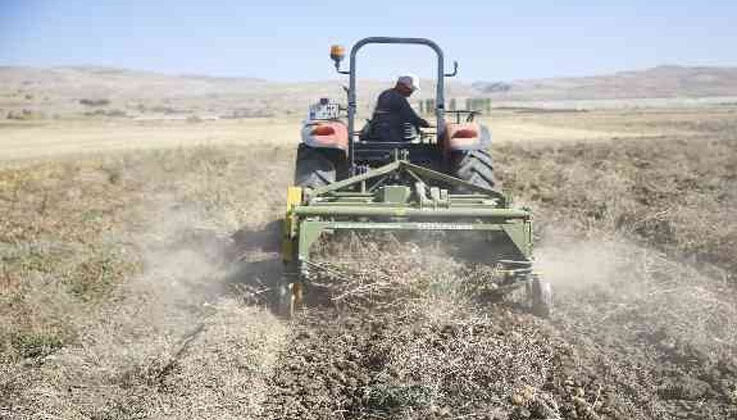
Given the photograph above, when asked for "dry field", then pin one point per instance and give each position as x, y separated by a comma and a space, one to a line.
136, 257
43, 139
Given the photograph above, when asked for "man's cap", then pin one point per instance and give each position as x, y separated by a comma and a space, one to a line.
410, 80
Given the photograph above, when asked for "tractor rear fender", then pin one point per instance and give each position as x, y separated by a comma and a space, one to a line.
465, 136
325, 134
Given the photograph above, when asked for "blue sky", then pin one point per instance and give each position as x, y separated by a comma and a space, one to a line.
289, 40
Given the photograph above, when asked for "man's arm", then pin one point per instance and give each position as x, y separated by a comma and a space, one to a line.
408, 114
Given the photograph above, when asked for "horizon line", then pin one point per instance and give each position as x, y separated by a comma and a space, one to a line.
338, 77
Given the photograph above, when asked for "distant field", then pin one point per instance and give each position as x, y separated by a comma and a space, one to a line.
21, 140
39, 139
93, 92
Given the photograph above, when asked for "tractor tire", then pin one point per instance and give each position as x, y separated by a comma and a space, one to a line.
313, 168
474, 166
318, 167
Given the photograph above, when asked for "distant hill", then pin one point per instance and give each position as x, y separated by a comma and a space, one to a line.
110, 91
657, 82
100, 91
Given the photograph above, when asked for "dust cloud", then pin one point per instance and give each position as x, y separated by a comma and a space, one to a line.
622, 279
175, 341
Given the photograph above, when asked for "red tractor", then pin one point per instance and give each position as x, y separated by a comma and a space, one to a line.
333, 150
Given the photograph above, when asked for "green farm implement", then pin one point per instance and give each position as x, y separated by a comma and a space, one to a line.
434, 182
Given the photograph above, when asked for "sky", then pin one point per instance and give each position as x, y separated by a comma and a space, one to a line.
289, 40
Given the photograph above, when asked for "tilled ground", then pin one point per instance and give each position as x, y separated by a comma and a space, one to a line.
403, 333
417, 345
403, 338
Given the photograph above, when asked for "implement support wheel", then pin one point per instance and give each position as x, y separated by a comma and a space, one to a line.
289, 299
541, 297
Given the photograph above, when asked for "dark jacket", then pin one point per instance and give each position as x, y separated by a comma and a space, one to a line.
390, 116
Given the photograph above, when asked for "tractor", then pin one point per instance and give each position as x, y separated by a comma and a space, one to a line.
440, 182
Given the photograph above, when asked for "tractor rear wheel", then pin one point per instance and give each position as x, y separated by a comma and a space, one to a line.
318, 167
474, 166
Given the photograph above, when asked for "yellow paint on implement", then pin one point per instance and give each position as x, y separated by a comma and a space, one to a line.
294, 198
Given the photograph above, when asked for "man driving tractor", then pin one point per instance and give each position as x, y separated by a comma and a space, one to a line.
393, 112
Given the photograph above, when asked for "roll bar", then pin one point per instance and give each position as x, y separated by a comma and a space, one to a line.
440, 89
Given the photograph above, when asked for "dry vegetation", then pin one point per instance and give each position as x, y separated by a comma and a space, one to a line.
674, 194
133, 284
111, 265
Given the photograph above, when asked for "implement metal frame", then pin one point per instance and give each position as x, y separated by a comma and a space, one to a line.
346, 205
311, 230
